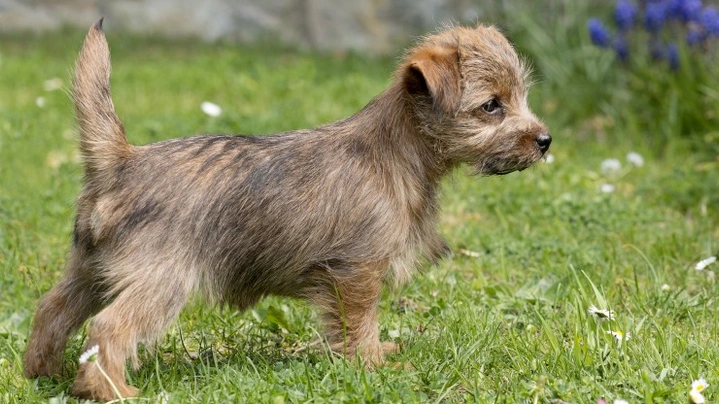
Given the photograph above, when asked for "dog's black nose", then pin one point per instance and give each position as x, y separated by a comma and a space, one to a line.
543, 141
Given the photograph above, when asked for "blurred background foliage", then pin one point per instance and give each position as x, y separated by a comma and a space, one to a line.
650, 80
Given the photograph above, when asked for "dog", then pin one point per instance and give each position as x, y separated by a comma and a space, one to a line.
329, 215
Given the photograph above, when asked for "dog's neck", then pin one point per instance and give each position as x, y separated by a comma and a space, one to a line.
391, 123
390, 130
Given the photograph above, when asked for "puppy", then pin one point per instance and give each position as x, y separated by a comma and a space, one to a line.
329, 214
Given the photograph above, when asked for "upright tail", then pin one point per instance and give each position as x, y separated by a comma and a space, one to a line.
103, 142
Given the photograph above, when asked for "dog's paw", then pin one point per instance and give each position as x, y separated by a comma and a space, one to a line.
390, 348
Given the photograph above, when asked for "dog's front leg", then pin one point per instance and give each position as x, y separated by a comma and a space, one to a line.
349, 304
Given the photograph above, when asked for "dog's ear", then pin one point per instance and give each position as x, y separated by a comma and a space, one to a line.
434, 72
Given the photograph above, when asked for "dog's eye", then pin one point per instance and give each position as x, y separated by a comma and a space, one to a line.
491, 107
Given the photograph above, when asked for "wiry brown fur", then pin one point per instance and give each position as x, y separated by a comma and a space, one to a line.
328, 214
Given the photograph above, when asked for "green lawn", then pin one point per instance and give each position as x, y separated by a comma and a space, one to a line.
504, 320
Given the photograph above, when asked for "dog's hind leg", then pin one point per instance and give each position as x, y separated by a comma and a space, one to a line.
139, 314
60, 313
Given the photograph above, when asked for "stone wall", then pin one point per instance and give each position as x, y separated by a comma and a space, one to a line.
368, 25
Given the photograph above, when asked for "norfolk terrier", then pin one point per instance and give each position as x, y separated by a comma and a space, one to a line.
329, 215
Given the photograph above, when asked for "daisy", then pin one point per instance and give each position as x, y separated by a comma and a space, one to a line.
90, 355
52, 84
620, 336
635, 159
469, 253
700, 384
601, 314
211, 109
162, 398
607, 188
705, 263
549, 158
611, 166
696, 397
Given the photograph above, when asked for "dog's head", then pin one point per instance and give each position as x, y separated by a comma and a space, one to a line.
469, 89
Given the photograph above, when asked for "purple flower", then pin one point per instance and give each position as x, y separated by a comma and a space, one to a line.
684, 10
690, 10
624, 14
598, 33
621, 47
695, 36
674, 8
654, 16
673, 56
710, 20
656, 49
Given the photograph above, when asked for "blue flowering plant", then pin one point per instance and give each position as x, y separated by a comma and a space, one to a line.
652, 38
663, 25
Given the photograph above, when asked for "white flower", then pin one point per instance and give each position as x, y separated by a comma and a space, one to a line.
211, 109
696, 397
620, 336
635, 159
611, 166
549, 158
162, 398
607, 188
40, 102
705, 263
601, 314
666, 288
469, 253
56, 158
52, 84
90, 355
700, 384
620, 401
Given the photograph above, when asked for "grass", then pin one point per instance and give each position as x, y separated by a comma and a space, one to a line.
505, 320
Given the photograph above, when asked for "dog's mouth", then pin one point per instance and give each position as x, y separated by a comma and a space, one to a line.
487, 171
505, 172
495, 168
519, 159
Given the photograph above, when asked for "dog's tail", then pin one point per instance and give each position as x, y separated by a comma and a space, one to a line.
103, 142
